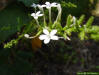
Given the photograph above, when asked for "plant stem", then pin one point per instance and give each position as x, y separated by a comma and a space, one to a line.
50, 15
44, 18
58, 16
35, 9
37, 22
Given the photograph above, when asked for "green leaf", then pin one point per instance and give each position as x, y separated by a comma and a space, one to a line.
81, 19
68, 22
82, 35
11, 20
68, 4
58, 26
94, 29
95, 36
90, 21
69, 31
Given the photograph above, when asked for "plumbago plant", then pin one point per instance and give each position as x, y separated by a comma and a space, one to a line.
54, 30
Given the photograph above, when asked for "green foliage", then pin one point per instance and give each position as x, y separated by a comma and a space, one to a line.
82, 35
68, 4
17, 66
90, 21
29, 2
74, 25
81, 19
84, 31
74, 6
94, 33
68, 22
11, 20
94, 29
9, 45
88, 31
95, 36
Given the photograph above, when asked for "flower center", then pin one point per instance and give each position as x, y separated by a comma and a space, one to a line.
49, 36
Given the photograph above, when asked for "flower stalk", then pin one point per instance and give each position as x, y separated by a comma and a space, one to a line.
59, 12
37, 22
50, 21
41, 8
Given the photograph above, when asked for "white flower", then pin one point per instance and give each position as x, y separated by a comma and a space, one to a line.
49, 5
47, 36
26, 35
41, 6
34, 5
36, 15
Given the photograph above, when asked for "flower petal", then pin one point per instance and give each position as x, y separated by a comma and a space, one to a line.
47, 3
47, 40
54, 4
38, 13
54, 37
34, 5
43, 6
59, 7
42, 37
53, 32
26, 35
33, 14
68, 38
45, 31
39, 6
36, 17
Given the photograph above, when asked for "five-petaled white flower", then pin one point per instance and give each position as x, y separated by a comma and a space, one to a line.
49, 5
47, 36
36, 15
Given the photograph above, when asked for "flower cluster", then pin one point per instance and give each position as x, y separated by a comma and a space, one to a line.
47, 36
48, 5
